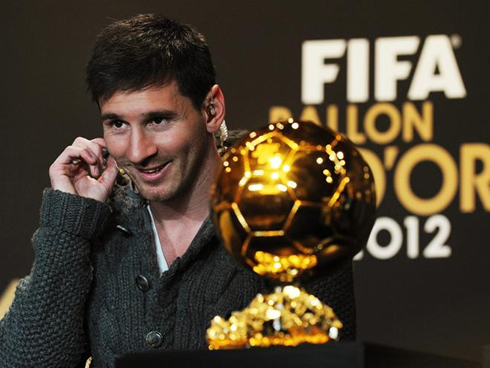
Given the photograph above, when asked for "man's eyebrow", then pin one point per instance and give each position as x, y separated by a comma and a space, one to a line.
111, 116
168, 114
159, 114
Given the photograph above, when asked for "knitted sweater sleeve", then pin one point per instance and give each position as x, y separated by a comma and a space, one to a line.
45, 324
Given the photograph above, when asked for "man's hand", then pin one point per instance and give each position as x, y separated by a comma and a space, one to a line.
78, 170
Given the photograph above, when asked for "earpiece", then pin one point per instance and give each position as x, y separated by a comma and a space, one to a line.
212, 111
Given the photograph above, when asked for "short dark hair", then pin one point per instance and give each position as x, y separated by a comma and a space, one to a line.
150, 50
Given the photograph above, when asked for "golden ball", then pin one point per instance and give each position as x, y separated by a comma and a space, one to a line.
291, 197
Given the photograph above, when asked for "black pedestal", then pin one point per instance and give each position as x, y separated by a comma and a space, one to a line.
346, 355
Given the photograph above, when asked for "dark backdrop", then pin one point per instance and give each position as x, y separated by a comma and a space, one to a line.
437, 303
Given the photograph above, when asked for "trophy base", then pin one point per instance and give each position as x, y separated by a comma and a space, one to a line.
288, 317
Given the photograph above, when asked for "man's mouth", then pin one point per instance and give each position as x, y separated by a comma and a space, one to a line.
153, 169
153, 172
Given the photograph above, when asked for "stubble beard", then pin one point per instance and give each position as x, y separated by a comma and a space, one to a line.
175, 186
163, 191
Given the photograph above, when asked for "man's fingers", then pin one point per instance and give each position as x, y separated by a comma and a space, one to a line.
77, 170
109, 175
84, 142
105, 152
99, 141
76, 155
97, 146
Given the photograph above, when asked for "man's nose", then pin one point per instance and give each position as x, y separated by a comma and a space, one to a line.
142, 147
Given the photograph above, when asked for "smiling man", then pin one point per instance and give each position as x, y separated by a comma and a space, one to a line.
127, 258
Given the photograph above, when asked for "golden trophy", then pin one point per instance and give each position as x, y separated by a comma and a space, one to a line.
290, 200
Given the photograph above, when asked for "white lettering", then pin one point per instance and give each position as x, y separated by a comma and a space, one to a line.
437, 54
436, 70
396, 239
315, 73
388, 69
358, 70
436, 248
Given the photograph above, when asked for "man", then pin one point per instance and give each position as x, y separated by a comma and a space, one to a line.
124, 268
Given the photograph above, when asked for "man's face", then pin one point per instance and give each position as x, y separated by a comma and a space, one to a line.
158, 137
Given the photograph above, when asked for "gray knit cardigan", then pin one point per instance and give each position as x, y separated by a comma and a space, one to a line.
85, 295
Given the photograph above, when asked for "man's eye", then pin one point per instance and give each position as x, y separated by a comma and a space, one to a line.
158, 121
118, 124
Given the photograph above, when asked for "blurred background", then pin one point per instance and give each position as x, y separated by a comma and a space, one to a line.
406, 81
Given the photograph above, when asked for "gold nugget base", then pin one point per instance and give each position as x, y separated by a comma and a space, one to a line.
289, 317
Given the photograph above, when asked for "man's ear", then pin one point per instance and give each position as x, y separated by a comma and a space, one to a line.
214, 109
